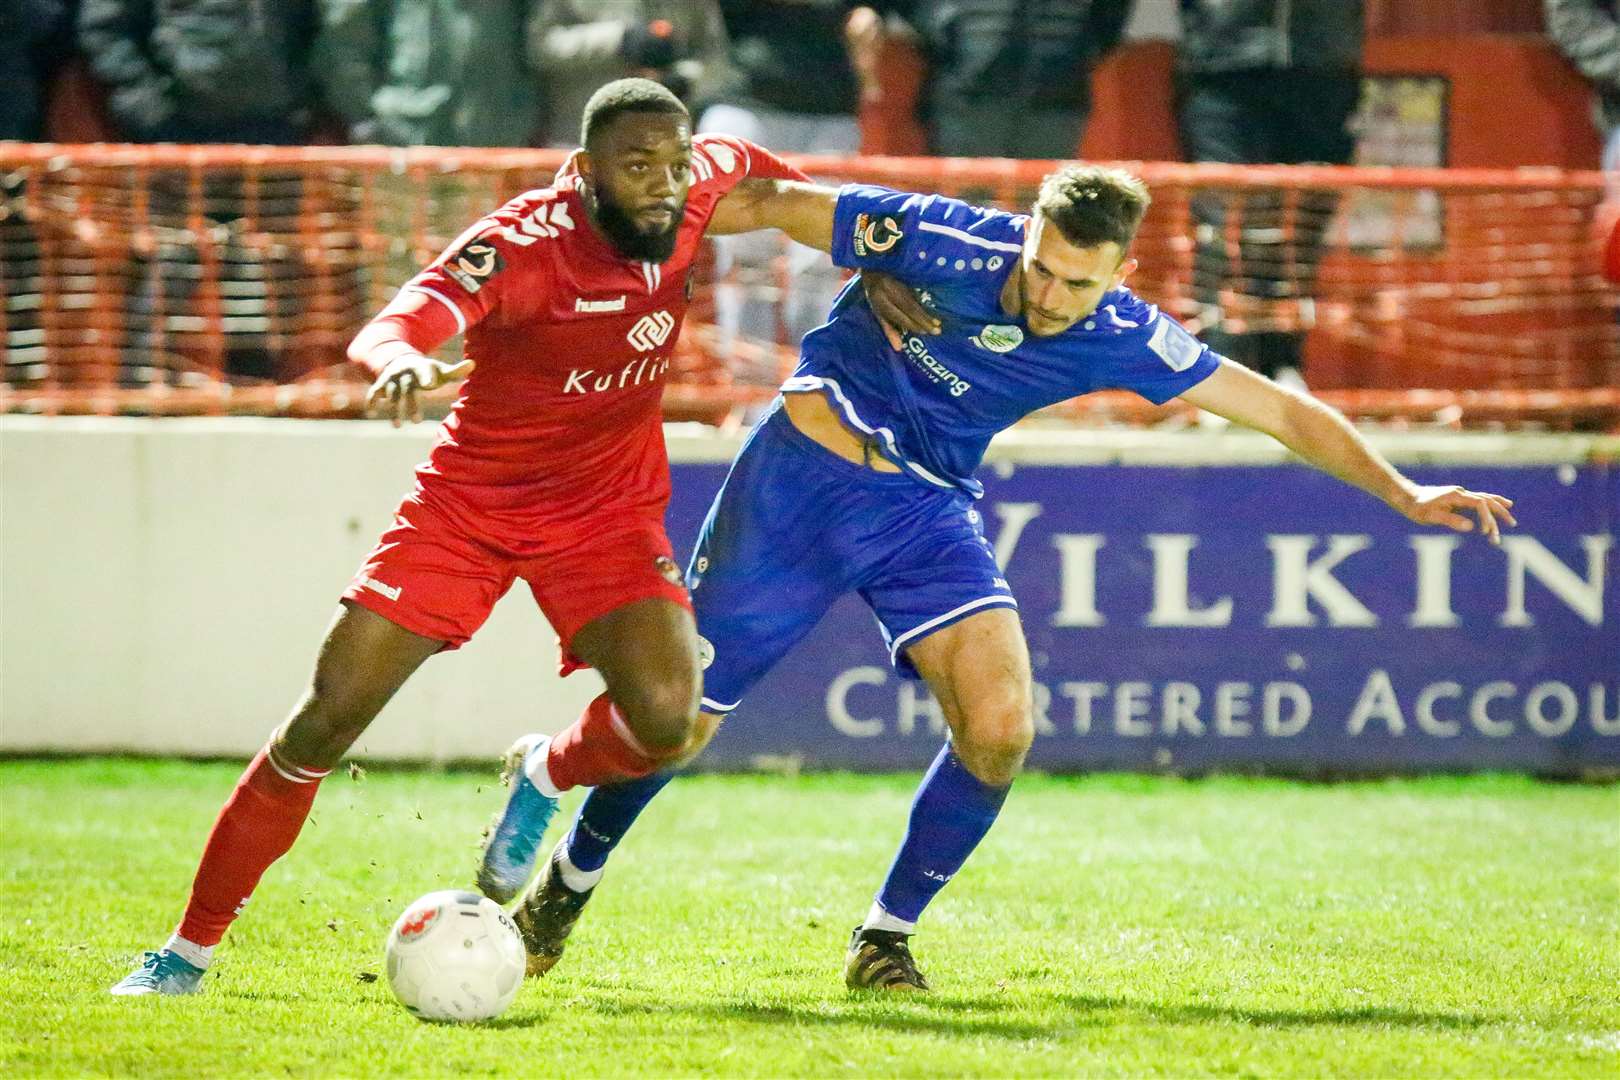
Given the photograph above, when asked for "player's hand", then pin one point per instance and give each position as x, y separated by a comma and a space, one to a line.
1456, 508
897, 308
407, 376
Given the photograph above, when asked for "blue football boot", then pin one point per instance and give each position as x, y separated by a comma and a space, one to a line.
161, 972
512, 841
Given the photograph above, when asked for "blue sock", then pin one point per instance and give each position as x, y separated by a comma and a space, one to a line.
950, 815
606, 815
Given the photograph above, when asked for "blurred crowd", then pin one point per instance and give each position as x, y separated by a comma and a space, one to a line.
1005, 77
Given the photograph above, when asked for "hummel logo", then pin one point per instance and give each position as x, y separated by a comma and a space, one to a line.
583, 305
390, 591
651, 330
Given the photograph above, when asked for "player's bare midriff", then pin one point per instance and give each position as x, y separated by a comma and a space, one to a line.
813, 415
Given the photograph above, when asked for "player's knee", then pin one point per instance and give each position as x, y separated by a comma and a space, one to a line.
996, 739
703, 729
662, 712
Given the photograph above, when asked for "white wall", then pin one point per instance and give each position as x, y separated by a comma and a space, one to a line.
164, 583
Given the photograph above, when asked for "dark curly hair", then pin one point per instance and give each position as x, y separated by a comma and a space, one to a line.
1092, 204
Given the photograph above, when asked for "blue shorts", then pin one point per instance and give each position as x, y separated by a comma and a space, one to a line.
795, 527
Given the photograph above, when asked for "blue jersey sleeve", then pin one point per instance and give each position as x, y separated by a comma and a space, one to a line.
1153, 354
917, 238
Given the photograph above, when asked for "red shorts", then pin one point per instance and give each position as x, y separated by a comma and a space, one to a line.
432, 575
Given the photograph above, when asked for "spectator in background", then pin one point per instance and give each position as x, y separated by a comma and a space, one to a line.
203, 72
1588, 32
1012, 78
791, 85
1265, 82
579, 45
193, 71
429, 72
35, 37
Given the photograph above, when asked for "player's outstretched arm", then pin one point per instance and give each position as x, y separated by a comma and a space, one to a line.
803, 211
394, 347
1324, 438
806, 213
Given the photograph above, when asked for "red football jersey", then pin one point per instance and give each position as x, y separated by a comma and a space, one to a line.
561, 419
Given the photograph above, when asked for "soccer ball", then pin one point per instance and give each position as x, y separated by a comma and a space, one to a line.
455, 955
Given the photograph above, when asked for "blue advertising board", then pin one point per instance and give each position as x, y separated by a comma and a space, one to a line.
1245, 618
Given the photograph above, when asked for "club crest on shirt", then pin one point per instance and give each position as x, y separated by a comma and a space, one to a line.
874, 236
474, 264
705, 653
998, 339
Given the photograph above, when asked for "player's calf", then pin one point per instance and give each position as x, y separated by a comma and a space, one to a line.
362, 661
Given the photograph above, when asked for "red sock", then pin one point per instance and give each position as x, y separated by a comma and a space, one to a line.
597, 749
255, 827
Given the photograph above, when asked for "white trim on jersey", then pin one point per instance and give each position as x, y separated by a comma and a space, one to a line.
702, 165
895, 644
653, 274
802, 383
702, 141
461, 320
969, 238
719, 707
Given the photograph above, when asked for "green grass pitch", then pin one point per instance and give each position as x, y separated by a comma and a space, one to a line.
1109, 926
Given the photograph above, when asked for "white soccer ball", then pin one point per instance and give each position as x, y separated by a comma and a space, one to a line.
455, 955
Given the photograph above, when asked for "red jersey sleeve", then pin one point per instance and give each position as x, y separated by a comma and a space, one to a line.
412, 323
724, 153
491, 258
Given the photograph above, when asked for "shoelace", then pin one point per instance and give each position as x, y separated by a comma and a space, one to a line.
152, 965
159, 963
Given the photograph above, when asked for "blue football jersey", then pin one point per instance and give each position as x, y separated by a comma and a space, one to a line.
933, 407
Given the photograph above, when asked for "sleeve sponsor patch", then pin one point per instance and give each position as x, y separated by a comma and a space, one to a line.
474, 264
1174, 345
875, 236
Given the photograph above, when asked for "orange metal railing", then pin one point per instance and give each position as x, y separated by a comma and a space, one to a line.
228, 279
